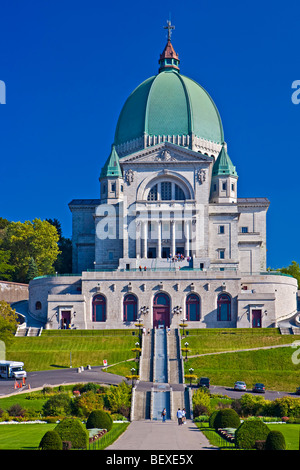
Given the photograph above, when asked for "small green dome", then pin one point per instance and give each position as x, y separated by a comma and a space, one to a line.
169, 104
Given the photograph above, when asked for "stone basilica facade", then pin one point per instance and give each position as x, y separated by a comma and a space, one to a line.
169, 238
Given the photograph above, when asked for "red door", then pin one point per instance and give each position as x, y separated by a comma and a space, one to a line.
161, 311
256, 318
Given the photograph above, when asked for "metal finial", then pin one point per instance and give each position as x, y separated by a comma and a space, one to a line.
169, 28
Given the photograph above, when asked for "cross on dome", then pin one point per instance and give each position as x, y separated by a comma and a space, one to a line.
169, 28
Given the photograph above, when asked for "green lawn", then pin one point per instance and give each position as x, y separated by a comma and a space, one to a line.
51, 351
291, 434
22, 436
273, 367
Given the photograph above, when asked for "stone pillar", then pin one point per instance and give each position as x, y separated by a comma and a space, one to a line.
187, 232
158, 254
145, 238
173, 238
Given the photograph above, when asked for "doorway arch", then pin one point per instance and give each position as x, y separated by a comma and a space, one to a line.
161, 310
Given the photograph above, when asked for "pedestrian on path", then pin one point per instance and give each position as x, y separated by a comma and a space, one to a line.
183, 416
179, 416
164, 414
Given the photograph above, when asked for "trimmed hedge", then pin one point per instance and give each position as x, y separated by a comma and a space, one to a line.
51, 441
99, 419
226, 418
275, 441
249, 432
72, 429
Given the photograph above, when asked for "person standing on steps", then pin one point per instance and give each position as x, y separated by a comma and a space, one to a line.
179, 416
164, 414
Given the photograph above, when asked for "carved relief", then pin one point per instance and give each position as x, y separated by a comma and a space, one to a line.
201, 175
129, 176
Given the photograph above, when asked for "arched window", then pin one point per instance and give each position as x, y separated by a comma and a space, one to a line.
161, 299
38, 305
166, 191
192, 307
99, 308
224, 307
130, 308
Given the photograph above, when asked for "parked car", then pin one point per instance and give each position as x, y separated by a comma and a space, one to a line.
259, 388
204, 382
239, 386
298, 391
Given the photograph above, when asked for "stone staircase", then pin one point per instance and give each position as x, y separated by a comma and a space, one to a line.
174, 356
28, 331
161, 382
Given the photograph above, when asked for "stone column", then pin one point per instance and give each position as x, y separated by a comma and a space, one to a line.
158, 254
145, 238
173, 238
187, 233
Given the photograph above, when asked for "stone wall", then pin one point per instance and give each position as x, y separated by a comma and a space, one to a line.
13, 292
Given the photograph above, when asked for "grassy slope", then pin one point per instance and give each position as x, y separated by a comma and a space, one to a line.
53, 351
273, 367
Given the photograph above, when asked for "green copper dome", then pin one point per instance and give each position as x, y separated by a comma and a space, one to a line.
169, 104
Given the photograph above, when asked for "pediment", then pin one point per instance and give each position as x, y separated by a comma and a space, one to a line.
165, 154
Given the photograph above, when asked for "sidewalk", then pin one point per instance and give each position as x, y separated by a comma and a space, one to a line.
156, 435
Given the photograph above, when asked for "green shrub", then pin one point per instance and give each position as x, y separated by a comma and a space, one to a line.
118, 398
72, 429
57, 405
275, 441
51, 441
99, 419
226, 418
201, 402
252, 405
212, 419
249, 432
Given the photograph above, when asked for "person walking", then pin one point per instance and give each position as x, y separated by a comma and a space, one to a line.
179, 416
164, 414
183, 416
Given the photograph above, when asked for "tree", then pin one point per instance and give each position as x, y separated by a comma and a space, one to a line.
6, 270
63, 264
294, 270
32, 270
8, 322
38, 240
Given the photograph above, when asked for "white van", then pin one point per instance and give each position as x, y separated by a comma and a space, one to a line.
12, 370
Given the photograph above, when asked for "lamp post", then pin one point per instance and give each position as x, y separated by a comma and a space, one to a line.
191, 370
186, 350
132, 375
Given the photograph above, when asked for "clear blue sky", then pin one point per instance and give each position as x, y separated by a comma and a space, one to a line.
68, 67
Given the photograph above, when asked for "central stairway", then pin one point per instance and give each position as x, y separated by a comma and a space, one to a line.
161, 382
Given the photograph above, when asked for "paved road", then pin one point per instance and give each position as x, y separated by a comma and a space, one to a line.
156, 435
96, 374
59, 377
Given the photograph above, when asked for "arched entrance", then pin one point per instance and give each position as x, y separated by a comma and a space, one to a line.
161, 310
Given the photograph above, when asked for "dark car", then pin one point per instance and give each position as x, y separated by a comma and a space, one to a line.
298, 391
259, 388
204, 382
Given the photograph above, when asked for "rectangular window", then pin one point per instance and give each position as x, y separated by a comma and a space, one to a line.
166, 191
232, 187
113, 187
221, 229
221, 254
110, 255
244, 229
224, 186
